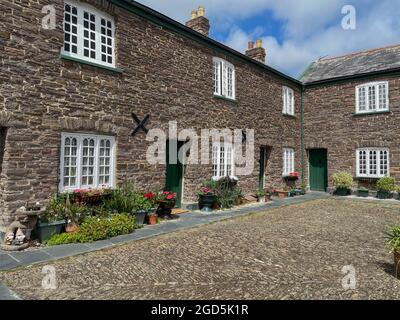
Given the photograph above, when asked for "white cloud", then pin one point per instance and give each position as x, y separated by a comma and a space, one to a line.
312, 28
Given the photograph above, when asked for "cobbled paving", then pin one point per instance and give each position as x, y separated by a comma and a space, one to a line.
292, 252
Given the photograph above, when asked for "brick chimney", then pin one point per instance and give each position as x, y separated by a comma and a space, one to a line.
257, 53
199, 22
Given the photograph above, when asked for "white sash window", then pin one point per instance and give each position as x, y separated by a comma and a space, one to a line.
288, 101
88, 34
372, 162
224, 79
87, 161
288, 161
372, 97
223, 160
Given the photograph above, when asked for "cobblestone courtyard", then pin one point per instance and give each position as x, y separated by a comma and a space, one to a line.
292, 252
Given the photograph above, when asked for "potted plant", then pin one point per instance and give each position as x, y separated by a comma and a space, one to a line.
385, 186
398, 192
363, 192
152, 218
393, 242
52, 220
74, 213
282, 194
260, 194
166, 202
143, 206
343, 181
207, 197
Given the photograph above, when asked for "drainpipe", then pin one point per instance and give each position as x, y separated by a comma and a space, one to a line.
302, 136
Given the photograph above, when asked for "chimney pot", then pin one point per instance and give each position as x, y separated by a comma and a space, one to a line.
201, 12
250, 45
259, 43
194, 14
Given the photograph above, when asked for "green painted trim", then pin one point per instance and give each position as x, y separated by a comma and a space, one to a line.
65, 57
302, 137
176, 27
226, 99
356, 115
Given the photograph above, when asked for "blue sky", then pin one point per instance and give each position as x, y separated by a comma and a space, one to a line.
294, 32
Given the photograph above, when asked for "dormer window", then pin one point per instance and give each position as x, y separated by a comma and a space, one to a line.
224, 79
88, 34
372, 97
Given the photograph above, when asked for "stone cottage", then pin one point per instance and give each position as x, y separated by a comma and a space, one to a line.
77, 101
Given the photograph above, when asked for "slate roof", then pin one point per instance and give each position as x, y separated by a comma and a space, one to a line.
374, 60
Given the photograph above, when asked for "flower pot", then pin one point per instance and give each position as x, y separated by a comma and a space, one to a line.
71, 228
363, 193
45, 231
165, 207
342, 192
206, 202
383, 194
152, 219
397, 263
283, 194
261, 199
140, 217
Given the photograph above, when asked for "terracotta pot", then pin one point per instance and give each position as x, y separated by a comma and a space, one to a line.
71, 228
152, 219
397, 263
283, 194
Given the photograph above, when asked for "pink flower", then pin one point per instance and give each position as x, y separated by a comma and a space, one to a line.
169, 197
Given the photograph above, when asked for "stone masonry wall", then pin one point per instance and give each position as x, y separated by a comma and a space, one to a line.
164, 74
331, 123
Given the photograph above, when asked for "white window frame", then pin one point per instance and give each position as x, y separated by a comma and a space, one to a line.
368, 107
78, 181
287, 161
220, 78
81, 7
288, 101
368, 164
216, 160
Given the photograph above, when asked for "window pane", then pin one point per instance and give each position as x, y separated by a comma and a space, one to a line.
372, 163
88, 152
382, 96
372, 98
383, 163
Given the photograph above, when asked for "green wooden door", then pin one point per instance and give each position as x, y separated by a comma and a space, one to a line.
174, 174
318, 170
261, 178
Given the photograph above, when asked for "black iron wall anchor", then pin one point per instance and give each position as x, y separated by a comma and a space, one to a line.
244, 136
140, 124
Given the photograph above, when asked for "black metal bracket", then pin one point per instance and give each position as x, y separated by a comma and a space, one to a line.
140, 124
244, 136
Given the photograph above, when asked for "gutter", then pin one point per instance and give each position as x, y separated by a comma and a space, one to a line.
172, 25
365, 75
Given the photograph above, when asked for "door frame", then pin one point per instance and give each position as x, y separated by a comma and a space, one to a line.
180, 143
309, 168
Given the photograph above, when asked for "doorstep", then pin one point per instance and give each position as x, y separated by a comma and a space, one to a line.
10, 260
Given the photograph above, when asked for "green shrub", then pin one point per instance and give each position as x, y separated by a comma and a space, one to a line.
227, 192
94, 229
393, 238
63, 238
343, 180
386, 184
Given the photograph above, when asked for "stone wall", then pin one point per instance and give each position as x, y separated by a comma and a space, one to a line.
331, 123
164, 75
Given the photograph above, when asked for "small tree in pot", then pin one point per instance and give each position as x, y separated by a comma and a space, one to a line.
207, 198
386, 186
393, 242
343, 181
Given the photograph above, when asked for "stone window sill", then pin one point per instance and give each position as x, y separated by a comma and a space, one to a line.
225, 99
290, 116
371, 113
66, 57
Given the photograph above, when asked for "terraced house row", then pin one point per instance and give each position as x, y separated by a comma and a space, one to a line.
68, 95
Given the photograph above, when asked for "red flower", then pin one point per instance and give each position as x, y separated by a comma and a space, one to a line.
169, 197
149, 195
174, 194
